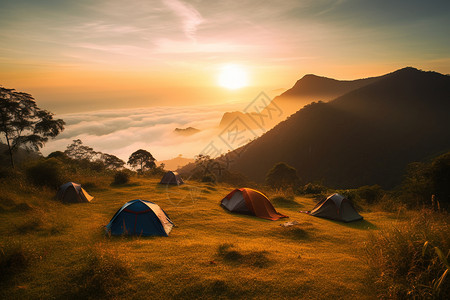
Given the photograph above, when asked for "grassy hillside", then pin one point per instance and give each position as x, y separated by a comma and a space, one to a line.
52, 250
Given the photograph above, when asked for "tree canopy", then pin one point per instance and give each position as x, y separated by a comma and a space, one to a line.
78, 151
23, 123
142, 159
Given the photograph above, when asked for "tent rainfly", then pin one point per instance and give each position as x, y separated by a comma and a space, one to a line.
72, 192
172, 178
336, 207
250, 202
140, 217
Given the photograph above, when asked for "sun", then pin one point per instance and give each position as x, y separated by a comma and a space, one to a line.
233, 77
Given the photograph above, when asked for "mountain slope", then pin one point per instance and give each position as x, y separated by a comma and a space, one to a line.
366, 136
306, 90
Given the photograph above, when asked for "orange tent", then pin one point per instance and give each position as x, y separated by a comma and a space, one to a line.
249, 201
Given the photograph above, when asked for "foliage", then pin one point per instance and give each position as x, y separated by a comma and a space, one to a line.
112, 162
46, 172
78, 151
23, 123
95, 160
426, 179
155, 172
403, 265
142, 159
282, 176
206, 167
121, 177
311, 189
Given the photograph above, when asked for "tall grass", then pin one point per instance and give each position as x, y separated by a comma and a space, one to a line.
15, 258
100, 274
409, 261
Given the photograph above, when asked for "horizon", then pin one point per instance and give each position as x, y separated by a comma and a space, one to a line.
84, 56
156, 60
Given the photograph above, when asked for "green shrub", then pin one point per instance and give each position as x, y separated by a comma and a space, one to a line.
46, 172
121, 177
400, 264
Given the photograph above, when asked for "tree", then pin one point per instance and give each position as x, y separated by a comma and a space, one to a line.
282, 176
112, 161
78, 151
23, 123
207, 166
143, 159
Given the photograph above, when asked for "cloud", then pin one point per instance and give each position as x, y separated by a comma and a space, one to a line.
121, 132
190, 17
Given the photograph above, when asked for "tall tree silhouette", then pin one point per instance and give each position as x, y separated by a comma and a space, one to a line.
23, 123
143, 159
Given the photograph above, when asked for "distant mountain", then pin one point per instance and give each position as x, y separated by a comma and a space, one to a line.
366, 136
175, 163
229, 117
306, 90
186, 131
312, 88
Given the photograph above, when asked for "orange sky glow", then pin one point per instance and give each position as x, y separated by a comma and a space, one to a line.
89, 55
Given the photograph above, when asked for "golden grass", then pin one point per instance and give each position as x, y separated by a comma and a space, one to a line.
211, 253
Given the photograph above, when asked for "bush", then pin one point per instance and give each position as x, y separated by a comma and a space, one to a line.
404, 260
121, 177
209, 178
371, 193
423, 180
311, 188
46, 173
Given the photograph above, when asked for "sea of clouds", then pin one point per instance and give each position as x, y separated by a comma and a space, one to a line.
122, 131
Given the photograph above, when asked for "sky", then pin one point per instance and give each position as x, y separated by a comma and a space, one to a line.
87, 55
98, 61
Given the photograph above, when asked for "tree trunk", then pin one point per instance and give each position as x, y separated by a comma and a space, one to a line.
10, 152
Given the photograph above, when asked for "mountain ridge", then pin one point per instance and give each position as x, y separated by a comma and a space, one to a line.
368, 135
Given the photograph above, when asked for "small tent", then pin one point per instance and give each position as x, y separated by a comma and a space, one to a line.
251, 202
171, 178
72, 192
140, 217
336, 207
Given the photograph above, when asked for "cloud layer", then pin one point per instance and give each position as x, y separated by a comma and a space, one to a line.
121, 132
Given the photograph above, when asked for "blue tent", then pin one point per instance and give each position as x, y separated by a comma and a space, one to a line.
140, 217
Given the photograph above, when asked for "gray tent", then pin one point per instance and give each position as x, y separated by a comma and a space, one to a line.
336, 207
73, 192
172, 178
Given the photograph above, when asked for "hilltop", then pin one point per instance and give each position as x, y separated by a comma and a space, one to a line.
306, 90
367, 136
176, 163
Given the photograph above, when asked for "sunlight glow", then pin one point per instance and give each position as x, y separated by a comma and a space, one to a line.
233, 77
